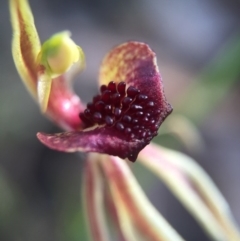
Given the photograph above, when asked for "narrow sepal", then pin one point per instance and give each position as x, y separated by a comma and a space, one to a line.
93, 198
194, 188
25, 44
113, 211
135, 205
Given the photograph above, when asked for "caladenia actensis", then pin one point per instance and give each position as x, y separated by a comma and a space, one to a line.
115, 128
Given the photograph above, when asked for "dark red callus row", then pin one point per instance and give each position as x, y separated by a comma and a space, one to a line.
127, 110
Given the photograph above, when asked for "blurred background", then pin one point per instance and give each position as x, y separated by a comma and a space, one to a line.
198, 47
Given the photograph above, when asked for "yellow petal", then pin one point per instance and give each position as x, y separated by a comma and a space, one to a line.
25, 44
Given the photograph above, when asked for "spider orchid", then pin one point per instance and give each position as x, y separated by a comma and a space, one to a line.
115, 127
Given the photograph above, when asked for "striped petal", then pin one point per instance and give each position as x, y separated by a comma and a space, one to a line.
26, 44
135, 212
194, 188
113, 212
93, 190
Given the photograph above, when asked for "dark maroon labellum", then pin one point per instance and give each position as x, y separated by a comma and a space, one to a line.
108, 109
117, 112
132, 92
99, 105
121, 88
97, 117
119, 126
127, 110
109, 120
127, 118
103, 88
112, 87
126, 101
142, 97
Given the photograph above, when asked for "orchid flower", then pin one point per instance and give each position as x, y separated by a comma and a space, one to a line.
115, 127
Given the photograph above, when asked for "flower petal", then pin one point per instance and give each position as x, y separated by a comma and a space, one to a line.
125, 118
114, 113
194, 188
101, 140
93, 199
26, 44
135, 205
63, 105
43, 89
136, 64
113, 211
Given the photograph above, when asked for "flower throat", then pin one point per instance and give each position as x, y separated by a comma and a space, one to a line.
125, 109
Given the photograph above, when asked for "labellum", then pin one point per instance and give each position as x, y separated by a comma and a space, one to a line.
124, 109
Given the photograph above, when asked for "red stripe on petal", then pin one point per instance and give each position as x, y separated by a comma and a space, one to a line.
93, 199
198, 193
26, 47
145, 217
112, 210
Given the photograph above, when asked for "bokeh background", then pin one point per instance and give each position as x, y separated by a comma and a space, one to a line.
197, 44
